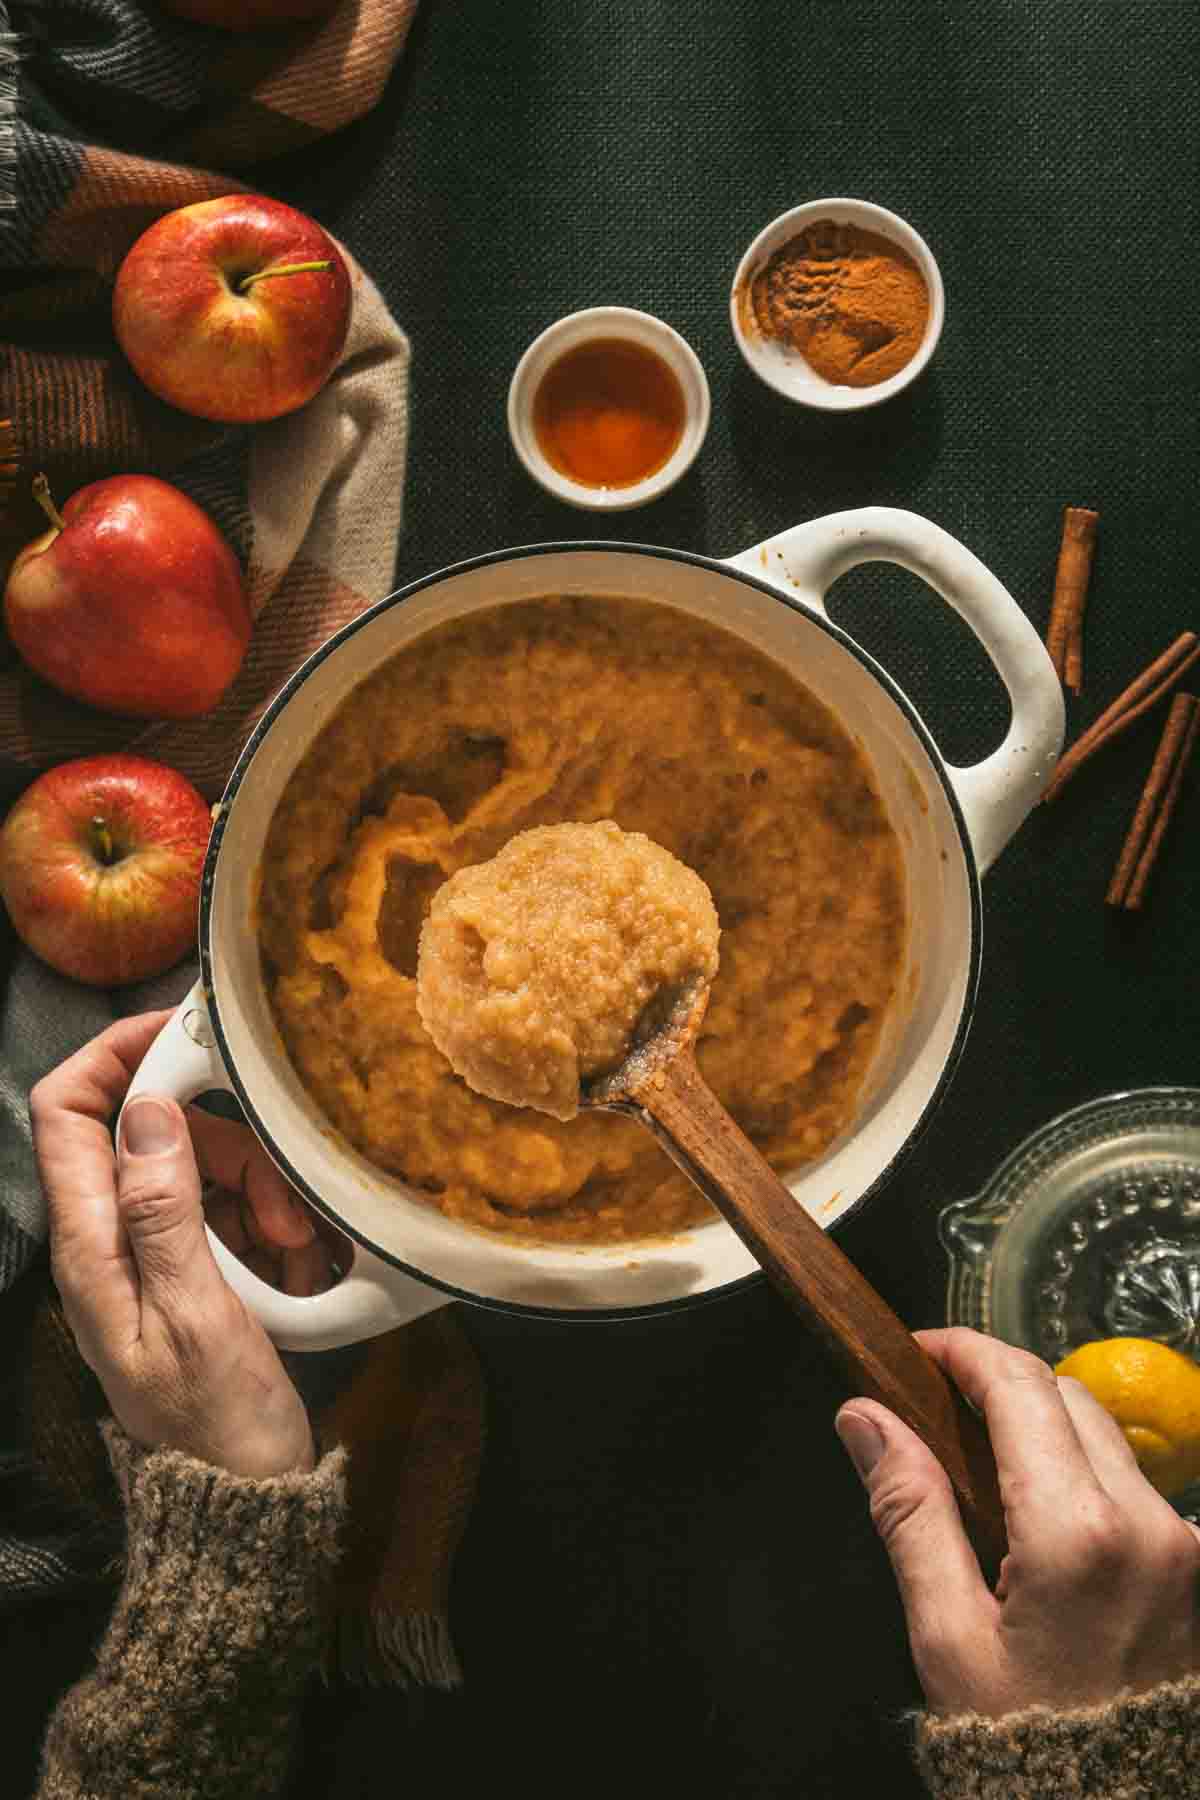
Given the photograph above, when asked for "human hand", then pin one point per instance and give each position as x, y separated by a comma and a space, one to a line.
1098, 1594
181, 1361
257, 1215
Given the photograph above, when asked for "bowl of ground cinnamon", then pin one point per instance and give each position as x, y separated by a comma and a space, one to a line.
837, 304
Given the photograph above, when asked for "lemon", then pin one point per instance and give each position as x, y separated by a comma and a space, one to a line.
1153, 1393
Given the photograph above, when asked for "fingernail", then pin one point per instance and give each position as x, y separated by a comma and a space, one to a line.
303, 1216
147, 1126
862, 1441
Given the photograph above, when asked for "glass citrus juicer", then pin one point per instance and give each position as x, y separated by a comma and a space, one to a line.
1089, 1229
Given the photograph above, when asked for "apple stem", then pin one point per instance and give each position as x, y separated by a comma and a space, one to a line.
44, 498
248, 281
102, 842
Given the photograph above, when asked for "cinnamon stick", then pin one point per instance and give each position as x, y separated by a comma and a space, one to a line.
1064, 632
1146, 862
1143, 693
1149, 807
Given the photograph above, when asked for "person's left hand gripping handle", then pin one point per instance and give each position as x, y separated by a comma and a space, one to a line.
181, 1361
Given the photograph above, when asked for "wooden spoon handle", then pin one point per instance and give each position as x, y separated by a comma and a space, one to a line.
875, 1347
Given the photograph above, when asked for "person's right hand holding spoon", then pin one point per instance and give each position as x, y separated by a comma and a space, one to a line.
573, 970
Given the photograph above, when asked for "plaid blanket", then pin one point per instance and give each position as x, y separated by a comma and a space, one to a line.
115, 102
311, 502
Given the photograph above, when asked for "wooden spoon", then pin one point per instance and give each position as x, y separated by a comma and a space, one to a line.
659, 1084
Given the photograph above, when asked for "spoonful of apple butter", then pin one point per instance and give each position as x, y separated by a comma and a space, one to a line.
573, 971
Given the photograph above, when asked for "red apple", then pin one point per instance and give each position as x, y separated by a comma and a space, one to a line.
247, 15
234, 309
132, 601
100, 863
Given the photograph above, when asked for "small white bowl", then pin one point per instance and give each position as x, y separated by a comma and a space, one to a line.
785, 369
638, 328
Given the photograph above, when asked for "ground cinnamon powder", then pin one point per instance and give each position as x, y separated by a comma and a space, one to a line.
850, 301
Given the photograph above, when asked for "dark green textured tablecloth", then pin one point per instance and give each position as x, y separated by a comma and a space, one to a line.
668, 1583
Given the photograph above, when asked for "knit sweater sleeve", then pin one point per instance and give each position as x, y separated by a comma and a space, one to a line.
196, 1685
1143, 1747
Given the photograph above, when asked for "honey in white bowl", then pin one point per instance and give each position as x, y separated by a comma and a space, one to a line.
608, 413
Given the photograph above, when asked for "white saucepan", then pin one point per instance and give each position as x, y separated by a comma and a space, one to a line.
952, 823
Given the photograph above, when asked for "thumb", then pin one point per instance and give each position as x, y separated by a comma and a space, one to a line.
916, 1515
159, 1196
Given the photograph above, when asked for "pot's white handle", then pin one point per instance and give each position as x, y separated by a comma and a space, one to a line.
997, 793
371, 1297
